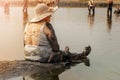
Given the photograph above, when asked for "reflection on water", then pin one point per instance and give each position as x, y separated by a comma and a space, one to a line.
91, 20
109, 22
6, 11
11, 30
45, 74
117, 15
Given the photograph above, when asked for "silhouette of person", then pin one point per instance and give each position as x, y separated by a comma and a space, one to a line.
25, 5
91, 6
6, 6
25, 18
109, 8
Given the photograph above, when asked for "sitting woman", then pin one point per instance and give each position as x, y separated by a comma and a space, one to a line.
40, 40
117, 10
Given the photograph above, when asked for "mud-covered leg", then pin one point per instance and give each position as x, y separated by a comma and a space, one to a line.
80, 56
54, 57
67, 56
86, 52
86, 61
50, 58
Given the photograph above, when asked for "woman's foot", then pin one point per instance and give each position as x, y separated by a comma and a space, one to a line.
86, 61
86, 52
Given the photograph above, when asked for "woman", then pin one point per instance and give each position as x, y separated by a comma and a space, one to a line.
40, 40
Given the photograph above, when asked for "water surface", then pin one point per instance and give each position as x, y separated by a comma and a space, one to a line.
76, 29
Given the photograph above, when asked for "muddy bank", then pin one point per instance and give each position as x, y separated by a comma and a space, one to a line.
11, 69
17, 65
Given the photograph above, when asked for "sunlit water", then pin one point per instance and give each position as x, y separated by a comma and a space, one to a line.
75, 29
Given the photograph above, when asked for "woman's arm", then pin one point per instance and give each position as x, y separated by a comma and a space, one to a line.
51, 37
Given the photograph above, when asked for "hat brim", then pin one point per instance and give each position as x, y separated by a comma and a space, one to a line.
41, 17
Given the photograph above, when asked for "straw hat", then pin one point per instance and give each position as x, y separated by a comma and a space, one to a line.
42, 11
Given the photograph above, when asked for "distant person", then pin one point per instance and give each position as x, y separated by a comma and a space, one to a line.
6, 6
25, 5
40, 40
25, 18
52, 4
117, 10
57, 2
40, 1
109, 9
91, 6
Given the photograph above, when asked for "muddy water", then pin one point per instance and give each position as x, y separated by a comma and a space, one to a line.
76, 29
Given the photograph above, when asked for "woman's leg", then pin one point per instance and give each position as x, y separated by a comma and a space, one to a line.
66, 55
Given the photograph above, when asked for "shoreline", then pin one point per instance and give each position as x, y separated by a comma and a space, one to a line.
62, 3
12, 69
83, 4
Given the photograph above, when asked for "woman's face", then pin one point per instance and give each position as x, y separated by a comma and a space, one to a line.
47, 19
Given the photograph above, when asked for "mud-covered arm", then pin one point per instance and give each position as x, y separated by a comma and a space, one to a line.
52, 38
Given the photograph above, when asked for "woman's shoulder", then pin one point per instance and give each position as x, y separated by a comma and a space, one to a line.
49, 25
